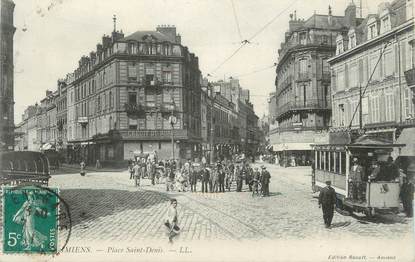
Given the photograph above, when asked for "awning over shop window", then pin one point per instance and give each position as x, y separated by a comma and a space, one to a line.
291, 147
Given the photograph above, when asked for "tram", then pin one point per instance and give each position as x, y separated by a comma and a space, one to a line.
333, 162
24, 167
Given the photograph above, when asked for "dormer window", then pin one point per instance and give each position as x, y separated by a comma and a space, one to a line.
339, 45
385, 21
372, 30
303, 38
352, 39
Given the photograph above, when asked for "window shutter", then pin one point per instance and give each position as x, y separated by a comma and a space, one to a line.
360, 71
382, 108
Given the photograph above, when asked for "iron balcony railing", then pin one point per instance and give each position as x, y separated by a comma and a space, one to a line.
303, 105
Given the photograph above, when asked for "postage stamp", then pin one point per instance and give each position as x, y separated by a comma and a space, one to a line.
30, 220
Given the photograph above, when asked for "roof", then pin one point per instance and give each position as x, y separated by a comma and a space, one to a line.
142, 35
322, 21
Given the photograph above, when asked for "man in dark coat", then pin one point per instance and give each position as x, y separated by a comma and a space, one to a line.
407, 196
265, 180
327, 200
192, 178
221, 178
205, 179
239, 179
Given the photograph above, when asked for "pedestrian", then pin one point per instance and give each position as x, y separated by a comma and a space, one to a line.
97, 164
407, 196
228, 178
192, 179
255, 182
152, 172
137, 171
355, 180
215, 179
221, 179
239, 179
248, 178
265, 180
130, 169
327, 200
172, 220
205, 179
170, 179
82, 166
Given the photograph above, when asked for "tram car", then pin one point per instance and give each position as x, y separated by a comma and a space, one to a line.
24, 167
333, 162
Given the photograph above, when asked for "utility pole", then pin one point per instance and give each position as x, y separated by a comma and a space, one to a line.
211, 122
360, 108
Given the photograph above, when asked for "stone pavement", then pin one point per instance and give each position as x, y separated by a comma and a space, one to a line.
107, 207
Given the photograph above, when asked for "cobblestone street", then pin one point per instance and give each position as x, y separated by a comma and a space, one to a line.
107, 207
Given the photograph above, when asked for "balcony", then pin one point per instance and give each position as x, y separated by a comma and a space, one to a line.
303, 77
163, 134
83, 120
410, 77
312, 104
134, 109
297, 128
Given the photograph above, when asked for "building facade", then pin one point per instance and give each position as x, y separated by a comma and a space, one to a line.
7, 30
124, 93
369, 88
303, 105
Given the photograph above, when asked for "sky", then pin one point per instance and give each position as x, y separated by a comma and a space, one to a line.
52, 35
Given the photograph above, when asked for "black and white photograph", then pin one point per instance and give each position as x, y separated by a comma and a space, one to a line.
207, 130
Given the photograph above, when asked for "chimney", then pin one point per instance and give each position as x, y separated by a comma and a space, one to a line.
117, 36
168, 30
48, 93
99, 49
178, 39
106, 41
330, 17
350, 15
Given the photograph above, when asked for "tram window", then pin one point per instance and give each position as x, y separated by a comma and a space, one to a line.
332, 163
326, 166
337, 162
343, 163
318, 160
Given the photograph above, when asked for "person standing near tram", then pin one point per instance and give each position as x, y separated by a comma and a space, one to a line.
356, 183
327, 201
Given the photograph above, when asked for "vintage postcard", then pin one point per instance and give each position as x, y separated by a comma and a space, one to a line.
220, 130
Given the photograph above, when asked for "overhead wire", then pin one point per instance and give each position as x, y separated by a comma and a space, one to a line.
248, 41
236, 20
256, 71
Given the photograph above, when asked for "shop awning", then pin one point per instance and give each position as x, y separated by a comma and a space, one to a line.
292, 147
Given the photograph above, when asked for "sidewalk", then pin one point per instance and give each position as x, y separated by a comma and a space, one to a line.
76, 168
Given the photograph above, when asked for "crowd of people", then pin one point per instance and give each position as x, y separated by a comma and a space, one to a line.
202, 177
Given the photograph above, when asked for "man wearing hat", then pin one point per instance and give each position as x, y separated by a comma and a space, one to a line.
327, 200
265, 180
356, 176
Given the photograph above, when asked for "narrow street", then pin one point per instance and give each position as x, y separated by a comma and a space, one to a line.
107, 207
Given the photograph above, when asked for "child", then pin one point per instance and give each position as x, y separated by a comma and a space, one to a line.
172, 220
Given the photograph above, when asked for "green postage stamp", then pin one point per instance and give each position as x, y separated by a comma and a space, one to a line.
30, 220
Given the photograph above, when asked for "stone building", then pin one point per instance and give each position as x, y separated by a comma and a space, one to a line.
123, 94
303, 105
369, 89
7, 30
